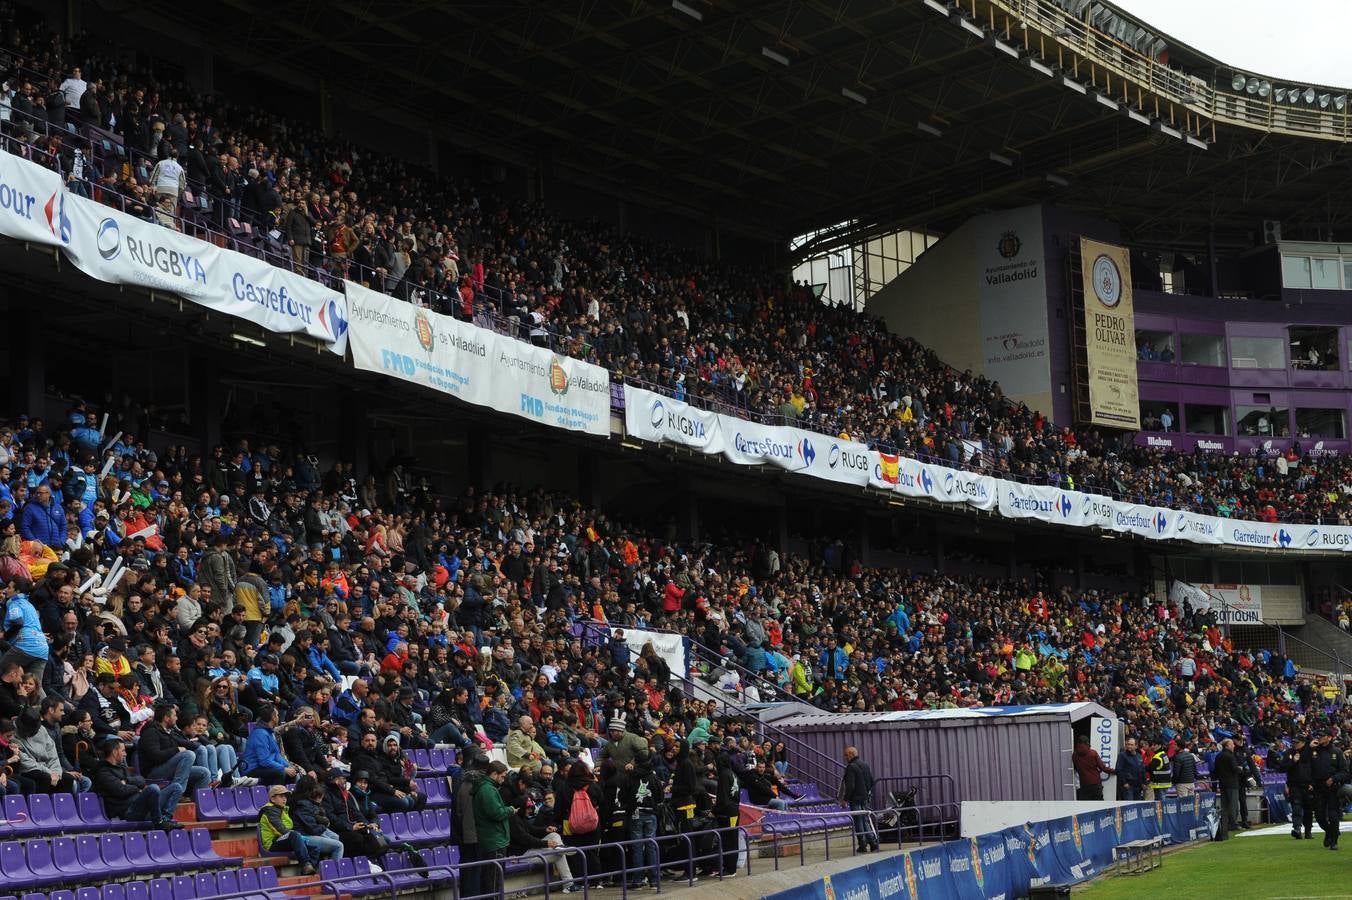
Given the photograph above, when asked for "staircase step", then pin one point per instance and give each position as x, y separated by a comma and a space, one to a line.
236, 846
185, 812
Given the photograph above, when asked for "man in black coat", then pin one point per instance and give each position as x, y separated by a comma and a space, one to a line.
1328, 772
165, 753
1228, 784
127, 796
1298, 786
856, 789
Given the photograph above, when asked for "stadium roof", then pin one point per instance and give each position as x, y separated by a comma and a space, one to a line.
777, 118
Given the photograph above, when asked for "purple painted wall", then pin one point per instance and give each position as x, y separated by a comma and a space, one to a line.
1021, 758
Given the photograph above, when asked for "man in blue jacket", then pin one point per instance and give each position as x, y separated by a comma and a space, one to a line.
27, 644
262, 757
44, 519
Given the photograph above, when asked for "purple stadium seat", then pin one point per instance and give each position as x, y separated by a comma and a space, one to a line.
206, 853
436, 760
398, 827
208, 807
67, 813
43, 869
91, 810
347, 868
34, 897
180, 845
224, 802
61, 895
267, 877
429, 824
231, 882
259, 792
114, 853
185, 888
42, 814
383, 820
88, 855
443, 824
157, 842
161, 889
137, 890
16, 812
114, 892
138, 854
87, 893
205, 884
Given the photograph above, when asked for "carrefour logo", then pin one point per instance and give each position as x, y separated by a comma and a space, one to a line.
762, 447
1161, 522
926, 482
1282, 538
806, 452
1064, 506
108, 239
57, 220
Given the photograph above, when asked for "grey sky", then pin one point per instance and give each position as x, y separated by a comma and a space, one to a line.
1298, 40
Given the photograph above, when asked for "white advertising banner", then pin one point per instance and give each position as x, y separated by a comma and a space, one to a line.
956, 486
1011, 267
396, 338
652, 417
120, 249
536, 383
1233, 604
476, 365
835, 459
32, 202
1103, 737
752, 444
1146, 521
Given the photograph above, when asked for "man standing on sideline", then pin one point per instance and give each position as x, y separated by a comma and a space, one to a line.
1226, 771
1130, 772
1158, 766
1298, 787
1328, 771
856, 789
1185, 769
1090, 768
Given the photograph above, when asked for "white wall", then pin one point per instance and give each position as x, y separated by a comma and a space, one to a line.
985, 816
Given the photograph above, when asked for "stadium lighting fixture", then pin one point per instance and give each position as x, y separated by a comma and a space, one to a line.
1106, 101
937, 7
1279, 95
929, 129
1293, 96
1340, 102
1073, 84
1308, 96
245, 339
1324, 101
1001, 159
688, 10
1056, 180
1237, 82
854, 95
1251, 87
1039, 67
1264, 88
774, 56
1064, 32
1194, 142
1191, 98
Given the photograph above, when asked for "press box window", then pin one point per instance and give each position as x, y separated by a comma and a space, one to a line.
1159, 415
1154, 346
1314, 347
1202, 350
1257, 353
1321, 423
1263, 421
1202, 418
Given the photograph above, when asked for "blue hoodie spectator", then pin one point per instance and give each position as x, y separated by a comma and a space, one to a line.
261, 751
43, 519
320, 662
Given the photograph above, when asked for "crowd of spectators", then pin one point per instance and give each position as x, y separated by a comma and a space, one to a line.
744, 341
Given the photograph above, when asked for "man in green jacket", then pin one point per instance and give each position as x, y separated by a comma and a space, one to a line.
491, 817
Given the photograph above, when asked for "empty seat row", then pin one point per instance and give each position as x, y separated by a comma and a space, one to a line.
424, 827
441, 860
436, 789
52, 814
233, 804
181, 887
442, 760
87, 857
799, 821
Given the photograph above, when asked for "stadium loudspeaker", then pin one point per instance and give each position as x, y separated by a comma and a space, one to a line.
1272, 231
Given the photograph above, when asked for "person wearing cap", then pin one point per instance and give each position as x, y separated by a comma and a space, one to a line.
1328, 773
623, 746
277, 833
352, 818
128, 796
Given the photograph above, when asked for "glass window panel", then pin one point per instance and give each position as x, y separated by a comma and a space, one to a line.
1257, 353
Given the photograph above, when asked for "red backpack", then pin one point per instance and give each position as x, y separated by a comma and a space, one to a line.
582, 817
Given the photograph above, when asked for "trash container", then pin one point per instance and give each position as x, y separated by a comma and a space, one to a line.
1255, 804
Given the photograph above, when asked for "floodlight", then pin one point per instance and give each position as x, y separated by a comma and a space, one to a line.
1293, 96
1237, 82
1251, 87
1264, 88
1279, 96
1308, 96
1324, 101
853, 95
774, 55
1339, 102
687, 10
929, 129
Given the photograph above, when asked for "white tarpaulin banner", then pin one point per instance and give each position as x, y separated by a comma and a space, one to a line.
834, 459
650, 416
538, 384
671, 647
120, 249
476, 365
752, 444
32, 202
1233, 604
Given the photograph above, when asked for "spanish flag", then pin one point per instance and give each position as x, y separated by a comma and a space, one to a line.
890, 463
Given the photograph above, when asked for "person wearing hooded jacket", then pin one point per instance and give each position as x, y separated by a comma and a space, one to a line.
638, 791
727, 808
1299, 788
580, 778
491, 822
465, 829
352, 817
390, 789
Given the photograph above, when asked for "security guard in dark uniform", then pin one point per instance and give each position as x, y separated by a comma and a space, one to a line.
1328, 771
1299, 791
1161, 774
